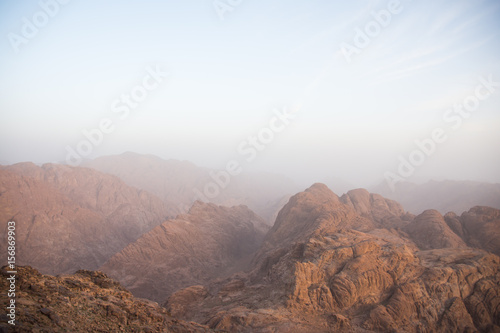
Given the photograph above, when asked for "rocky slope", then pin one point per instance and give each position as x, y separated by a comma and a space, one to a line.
355, 264
209, 242
181, 182
70, 218
86, 301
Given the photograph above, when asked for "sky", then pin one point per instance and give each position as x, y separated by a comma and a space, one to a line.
356, 90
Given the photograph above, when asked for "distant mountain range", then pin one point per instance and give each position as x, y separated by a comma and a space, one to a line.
182, 183
444, 196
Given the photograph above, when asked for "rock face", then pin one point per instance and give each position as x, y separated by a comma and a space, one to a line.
479, 227
71, 218
430, 231
354, 264
383, 212
209, 242
180, 182
87, 301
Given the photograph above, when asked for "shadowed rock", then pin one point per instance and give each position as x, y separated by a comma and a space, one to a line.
209, 242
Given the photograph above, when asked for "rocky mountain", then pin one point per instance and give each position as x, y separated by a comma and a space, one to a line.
86, 301
430, 231
182, 183
479, 227
354, 264
69, 218
206, 243
443, 196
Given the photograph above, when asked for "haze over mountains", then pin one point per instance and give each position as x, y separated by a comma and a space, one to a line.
444, 196
128, 195
354, 262
183, 183
250, 166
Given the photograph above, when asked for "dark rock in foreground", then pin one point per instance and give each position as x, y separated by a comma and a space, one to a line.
86, 301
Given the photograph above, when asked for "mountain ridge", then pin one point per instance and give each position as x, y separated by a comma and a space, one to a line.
182, 182
69, 218
341, 273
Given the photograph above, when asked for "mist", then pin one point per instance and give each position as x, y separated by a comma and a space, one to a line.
341, 93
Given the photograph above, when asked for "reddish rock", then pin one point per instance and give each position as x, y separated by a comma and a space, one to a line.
481, 227
430, 231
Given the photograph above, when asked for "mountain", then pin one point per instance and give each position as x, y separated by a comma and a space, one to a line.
208, 242
86, 301
68, 218
356, 263
443, 196
430, 231
352, 263
479, 227
182, 183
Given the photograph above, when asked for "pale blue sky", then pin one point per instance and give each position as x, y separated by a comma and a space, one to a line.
226, 76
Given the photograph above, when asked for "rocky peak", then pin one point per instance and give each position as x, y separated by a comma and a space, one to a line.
481, 228
305, 212
430, 231
384, 212
209, 242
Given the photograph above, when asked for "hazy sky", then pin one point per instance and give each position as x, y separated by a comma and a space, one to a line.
365, 79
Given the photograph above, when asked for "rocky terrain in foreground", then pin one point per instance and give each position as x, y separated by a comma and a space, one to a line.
86, 301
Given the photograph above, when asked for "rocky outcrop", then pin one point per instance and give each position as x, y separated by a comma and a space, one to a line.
207, 243
430, 231
477, 228
71, 218
334, 264
481, 228
384, 212
445, 297
86, 301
